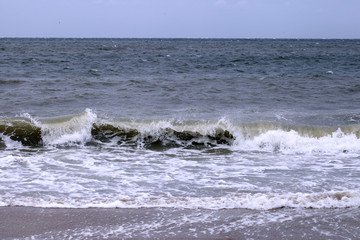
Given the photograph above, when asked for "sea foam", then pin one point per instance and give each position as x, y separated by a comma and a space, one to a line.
254, 201
68, 130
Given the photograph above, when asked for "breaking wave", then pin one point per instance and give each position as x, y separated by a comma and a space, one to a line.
89, 129
255, 201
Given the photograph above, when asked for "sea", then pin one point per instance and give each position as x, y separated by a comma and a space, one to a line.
266, 131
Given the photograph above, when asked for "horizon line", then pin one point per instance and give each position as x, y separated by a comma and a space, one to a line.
190, 38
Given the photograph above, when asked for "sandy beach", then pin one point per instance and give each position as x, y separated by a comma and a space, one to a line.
160, 223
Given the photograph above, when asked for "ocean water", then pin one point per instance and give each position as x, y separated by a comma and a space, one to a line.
190, 124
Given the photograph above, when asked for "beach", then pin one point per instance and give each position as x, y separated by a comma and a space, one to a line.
160, 223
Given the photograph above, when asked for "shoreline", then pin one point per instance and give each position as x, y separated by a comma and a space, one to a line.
169, 223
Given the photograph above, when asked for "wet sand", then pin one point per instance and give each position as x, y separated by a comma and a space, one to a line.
168, 223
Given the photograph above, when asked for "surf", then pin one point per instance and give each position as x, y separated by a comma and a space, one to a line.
88, 129
254, 201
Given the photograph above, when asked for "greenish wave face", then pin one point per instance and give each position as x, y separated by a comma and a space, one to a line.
88, 129
22, 131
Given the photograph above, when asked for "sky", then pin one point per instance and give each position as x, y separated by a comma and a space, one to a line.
180, 18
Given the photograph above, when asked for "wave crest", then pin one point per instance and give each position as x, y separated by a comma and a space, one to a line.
162, 137
87, 128
255, 201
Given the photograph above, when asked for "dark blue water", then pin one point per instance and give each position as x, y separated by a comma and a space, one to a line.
178, 78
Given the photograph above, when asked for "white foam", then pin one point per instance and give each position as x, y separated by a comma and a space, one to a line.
74, 129
30, 118
9, 143
256, 201
290, 142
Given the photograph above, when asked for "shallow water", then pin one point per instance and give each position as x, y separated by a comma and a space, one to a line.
174, 223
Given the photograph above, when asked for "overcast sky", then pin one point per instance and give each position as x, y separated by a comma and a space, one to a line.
181, 18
